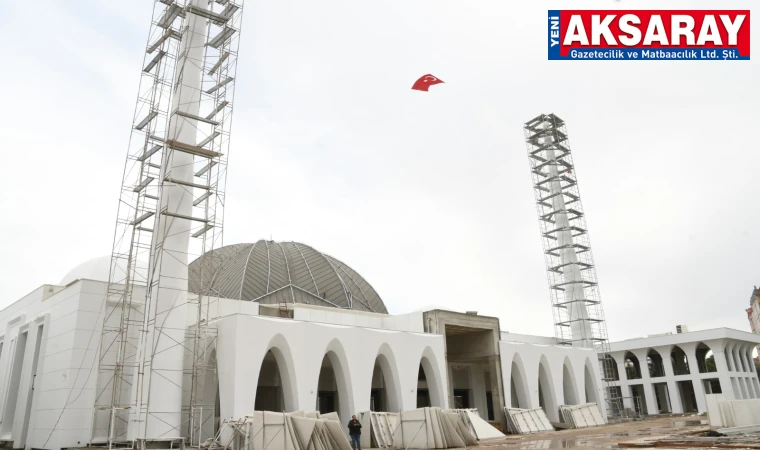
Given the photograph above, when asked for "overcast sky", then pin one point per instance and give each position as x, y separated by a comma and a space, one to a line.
427, 195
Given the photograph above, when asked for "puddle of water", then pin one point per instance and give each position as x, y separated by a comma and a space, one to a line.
583, 442
687, 423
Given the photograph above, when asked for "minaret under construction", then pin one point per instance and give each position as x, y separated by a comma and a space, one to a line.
576, 302
171, 211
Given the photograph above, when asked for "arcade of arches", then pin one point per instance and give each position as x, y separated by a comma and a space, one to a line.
332, 392
574, 390
676, 377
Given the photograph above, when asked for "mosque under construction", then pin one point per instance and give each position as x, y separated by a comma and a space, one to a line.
174, 335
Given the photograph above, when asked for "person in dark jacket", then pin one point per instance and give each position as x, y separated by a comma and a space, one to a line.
355, 431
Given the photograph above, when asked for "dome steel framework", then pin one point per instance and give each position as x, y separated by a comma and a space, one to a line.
270, 272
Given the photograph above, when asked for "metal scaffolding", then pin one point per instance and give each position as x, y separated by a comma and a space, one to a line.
171, 211
574, 290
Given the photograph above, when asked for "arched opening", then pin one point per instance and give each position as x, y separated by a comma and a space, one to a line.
433, 381
423, 393
679, 361
384, 391
750, 360
733, 359
518, 387
592, 396
333, 386
729, 359
269, 392
741, 359
632, 367
206, 421
609, 365
705, 359
546, 398
568, 384
654, 364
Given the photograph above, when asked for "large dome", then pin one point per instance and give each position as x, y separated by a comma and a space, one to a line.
272, 272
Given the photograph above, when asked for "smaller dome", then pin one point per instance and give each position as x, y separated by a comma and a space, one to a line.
96, 269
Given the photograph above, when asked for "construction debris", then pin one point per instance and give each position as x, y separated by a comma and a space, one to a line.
752, 429
527, 421
582, 416
752, 442
428, 428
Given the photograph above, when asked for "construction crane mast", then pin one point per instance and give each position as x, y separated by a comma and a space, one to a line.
574, 290
171, 211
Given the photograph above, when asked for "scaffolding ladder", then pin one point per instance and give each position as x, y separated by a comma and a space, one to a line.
172, 65
574, 290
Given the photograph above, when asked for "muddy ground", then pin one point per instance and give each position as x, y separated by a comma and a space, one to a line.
605, 437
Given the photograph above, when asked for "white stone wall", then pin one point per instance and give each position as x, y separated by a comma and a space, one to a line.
300, 347
732, 351
412, 322
558, 369
69, 321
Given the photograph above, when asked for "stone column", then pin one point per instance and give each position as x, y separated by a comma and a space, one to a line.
718, 349
673, 393
497, 390
477, 376
647, 382
696, 379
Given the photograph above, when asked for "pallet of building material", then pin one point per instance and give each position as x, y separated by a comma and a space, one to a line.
264, 430
329, 416
478, 427
432, 428
527, 421
380, 429
582, 416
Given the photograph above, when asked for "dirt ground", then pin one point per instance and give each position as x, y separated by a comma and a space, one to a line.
606, 437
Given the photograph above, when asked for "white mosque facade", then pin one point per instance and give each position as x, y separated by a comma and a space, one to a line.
296, 330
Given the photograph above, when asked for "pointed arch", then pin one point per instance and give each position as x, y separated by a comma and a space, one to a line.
632, 366
654, 364
739, 349
679, 361
590, 383
547, 395
518, 384
335, 360
705, 358
283, 357
386, 360
569, 391
429, 364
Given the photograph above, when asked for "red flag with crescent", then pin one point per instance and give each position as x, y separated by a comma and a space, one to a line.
425, 82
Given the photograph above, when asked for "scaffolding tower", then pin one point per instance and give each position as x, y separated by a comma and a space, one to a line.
574, 290
171, 211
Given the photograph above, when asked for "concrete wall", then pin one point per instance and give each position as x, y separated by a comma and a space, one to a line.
559, 370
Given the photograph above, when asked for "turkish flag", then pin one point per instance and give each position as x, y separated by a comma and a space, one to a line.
425, 82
